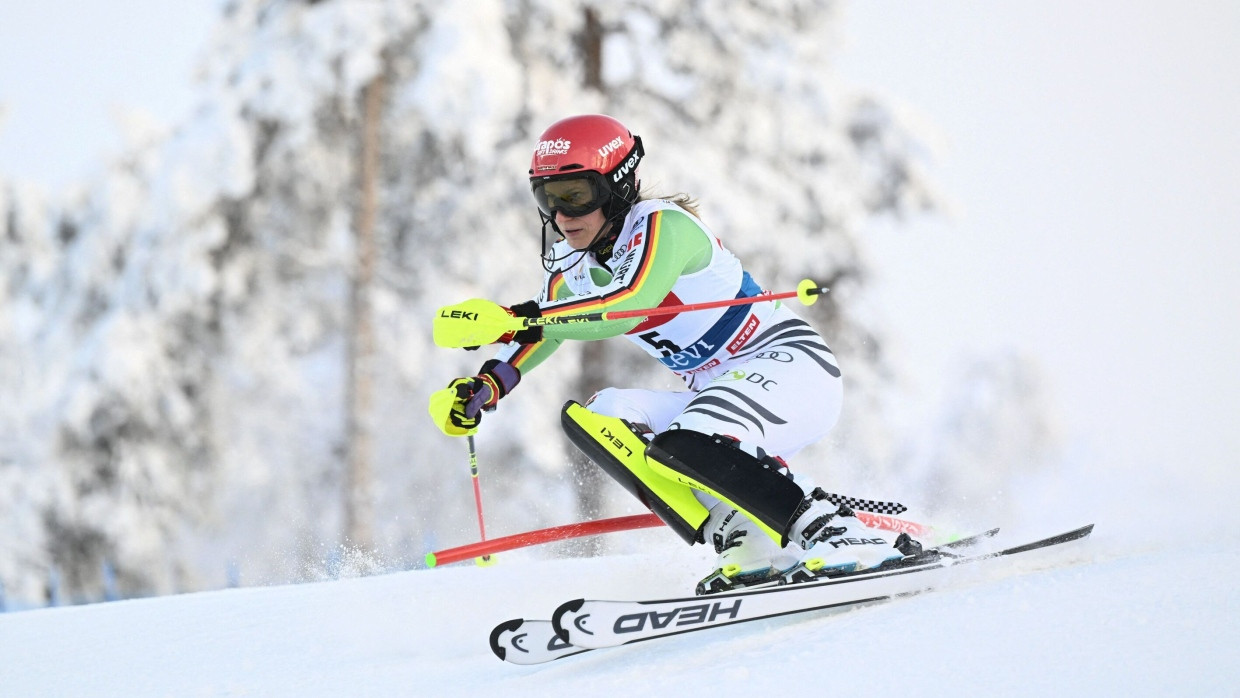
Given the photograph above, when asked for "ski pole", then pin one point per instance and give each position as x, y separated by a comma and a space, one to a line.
807, 291
484, 560
478, 321
628, 523
544, 535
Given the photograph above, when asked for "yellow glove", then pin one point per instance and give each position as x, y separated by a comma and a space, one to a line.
447, 408
473, 323
457, 409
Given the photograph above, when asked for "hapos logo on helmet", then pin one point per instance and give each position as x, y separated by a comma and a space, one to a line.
558, 146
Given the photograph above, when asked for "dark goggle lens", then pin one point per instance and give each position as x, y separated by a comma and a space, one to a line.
572, 197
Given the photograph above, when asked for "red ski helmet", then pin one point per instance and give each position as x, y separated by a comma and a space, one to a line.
595, 149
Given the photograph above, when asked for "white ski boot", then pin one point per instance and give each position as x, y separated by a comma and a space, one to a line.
747, 555
838, 542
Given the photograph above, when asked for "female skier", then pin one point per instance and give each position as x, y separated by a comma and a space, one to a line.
761, 382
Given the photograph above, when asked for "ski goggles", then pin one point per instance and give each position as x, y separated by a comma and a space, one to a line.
574, 196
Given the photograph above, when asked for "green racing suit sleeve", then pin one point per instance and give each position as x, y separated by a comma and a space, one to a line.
673, 244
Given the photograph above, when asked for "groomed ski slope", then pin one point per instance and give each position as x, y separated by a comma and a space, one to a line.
1099, 617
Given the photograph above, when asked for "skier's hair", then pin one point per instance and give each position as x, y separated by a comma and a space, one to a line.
685, 201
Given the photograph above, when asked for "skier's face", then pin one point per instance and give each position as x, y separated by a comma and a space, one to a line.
576, 205
580, 231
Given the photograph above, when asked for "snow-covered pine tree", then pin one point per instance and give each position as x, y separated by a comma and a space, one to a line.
113, 346
193, 342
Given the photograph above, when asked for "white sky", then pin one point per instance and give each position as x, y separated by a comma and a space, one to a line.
67, 65
1092, 150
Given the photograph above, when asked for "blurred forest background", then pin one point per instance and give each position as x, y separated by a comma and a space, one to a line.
216, 355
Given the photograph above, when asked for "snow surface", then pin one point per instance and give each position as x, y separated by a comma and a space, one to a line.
1098, 617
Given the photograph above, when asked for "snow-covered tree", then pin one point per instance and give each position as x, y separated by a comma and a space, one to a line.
188, 313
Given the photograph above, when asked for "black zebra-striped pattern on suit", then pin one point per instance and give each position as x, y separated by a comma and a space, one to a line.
781, 391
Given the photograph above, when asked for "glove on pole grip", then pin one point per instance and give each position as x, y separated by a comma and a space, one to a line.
495, 380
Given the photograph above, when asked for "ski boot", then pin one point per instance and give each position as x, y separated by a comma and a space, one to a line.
838, 543
747, 556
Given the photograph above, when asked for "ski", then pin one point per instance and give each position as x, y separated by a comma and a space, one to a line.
597, 624
525, 641
803, 573
529, 641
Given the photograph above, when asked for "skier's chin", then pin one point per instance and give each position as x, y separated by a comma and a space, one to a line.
578, 239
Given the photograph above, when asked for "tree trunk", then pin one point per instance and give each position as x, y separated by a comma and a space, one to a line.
594, 355
359, 506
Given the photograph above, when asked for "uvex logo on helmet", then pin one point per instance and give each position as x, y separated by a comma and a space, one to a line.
611, 147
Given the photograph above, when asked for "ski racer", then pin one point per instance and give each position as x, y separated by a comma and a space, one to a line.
761, 383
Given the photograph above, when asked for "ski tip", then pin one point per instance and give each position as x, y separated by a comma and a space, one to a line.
507, 625
989, 533
1076, 533
430, 560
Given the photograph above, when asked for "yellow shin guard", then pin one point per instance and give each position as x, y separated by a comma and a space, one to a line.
619, 450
